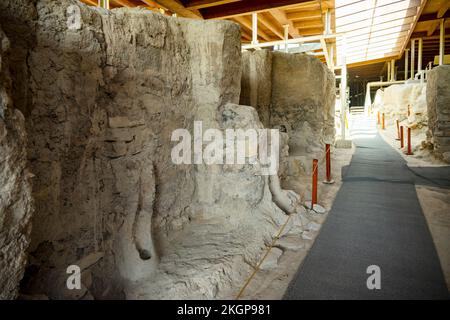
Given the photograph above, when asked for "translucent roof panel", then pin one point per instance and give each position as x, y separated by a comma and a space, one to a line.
374, 29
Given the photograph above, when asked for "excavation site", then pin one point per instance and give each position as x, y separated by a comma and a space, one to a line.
224, 150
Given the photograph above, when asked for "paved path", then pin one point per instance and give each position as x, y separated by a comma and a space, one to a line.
376, 219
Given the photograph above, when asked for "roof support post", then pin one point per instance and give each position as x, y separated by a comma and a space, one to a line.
103, 4
327, 29
286, 37
413, 53
388, 71
419, 59
254, 28
406, 63
343, 88
392, 70
441, 42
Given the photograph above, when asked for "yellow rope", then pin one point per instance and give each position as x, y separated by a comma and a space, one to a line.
274, 241
262, 260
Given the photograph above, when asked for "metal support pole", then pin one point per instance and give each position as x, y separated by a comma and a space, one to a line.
327, 29
343, 88
441, 43
332, 57
413, 53
419, 59
409, 152
389, 71
406, 63
401, 137
328, 179
103, 4
286, 37
392, 70
254, 28
314, 183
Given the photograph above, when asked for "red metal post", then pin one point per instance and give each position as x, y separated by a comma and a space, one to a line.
328, 159
398, 129
314, 183
382, 121
378, 117
401, 137
409, 143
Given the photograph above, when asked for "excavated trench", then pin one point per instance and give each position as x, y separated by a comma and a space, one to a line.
89, 101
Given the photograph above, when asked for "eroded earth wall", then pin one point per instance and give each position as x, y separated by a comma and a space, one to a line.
295, 92
16, 205
438, 100
104, 91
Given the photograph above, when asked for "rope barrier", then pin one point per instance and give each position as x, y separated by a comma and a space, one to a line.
273, 243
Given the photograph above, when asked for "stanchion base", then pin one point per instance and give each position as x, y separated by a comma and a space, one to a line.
316, 208
409, 154
328, 182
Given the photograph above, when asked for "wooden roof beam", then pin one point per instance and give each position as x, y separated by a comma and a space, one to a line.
91, 2
269, 25
178, 8
282, 19
304, 15
245, 7
433, 26
248, 24
124, 3
201, 4
308, 24
443, 9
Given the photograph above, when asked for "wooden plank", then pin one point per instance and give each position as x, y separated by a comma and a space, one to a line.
304, 15
178, 8
248, 24
90, 2
269, 25
308, 24
200, 4
124, 3
433, 26
282, 19
443, 9
153, 4
310, 31
244, 7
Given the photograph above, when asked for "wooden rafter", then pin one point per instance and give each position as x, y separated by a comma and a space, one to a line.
304, 15
200, 4
124, 3
308, 24
248, 24
433, 26
443, 9
91, 2
282, 19
178, 8
269, 25
245, 7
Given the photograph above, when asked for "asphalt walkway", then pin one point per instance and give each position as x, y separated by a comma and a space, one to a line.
376, 219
